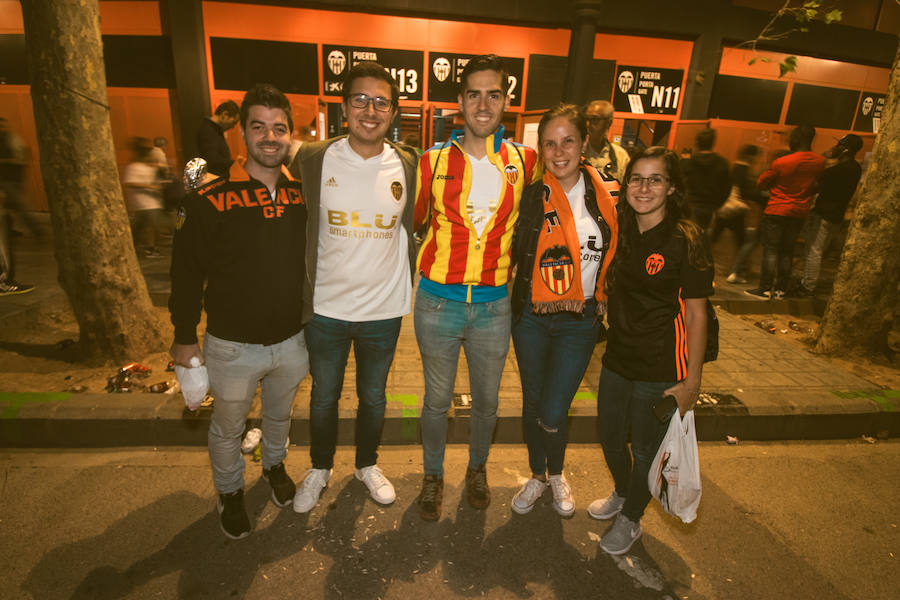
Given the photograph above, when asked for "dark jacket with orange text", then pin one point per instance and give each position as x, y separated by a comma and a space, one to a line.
238, 252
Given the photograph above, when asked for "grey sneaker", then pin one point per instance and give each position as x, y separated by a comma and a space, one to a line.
524, 500
563, 500
308, 495
619, 538
606, 508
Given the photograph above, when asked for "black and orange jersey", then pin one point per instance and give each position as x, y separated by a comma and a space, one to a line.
647, 335
238, 252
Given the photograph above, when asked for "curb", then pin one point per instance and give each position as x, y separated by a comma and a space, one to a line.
103, 421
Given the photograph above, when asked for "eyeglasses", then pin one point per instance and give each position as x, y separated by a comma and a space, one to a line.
362, 101
654, 181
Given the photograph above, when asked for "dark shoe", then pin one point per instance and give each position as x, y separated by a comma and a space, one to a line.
778, 294
431, 497
802, 292
233, 516
10, 288
759, 293
477, 491
283, 488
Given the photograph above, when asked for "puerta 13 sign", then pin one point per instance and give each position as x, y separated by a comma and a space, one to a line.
643, 90
405, 66
444, 69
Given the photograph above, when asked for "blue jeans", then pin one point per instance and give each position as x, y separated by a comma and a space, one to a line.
235, 369
778, 235
818, 235
623, 404
373, 346
553, 352
482, 330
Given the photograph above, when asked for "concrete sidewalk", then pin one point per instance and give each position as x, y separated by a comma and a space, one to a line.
761, 387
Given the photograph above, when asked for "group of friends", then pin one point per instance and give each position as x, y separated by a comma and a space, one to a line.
295, 264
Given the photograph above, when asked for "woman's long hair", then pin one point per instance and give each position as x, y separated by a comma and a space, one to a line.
676, 221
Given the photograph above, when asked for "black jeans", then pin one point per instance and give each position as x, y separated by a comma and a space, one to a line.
779, 235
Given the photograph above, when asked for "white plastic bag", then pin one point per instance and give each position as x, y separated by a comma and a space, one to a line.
194, 383
674, 477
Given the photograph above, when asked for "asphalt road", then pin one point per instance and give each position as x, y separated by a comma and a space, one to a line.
777, 520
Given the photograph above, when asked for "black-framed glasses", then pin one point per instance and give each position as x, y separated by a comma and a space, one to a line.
654, 181
362, 101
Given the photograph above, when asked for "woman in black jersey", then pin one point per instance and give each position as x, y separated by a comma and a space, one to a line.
657, 286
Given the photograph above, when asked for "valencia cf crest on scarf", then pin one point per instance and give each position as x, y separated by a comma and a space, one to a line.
557, 269
512, 174
396, 190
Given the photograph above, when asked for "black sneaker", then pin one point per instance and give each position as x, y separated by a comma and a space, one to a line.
431, 498
759, 293
283, 488
478, 493
233, 516
10, 287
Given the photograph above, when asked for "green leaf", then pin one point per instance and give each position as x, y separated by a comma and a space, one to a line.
833, 15
752, 60
764, 59
788, 66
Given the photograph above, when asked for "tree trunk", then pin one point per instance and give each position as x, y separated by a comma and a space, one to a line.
98, 268
860, 314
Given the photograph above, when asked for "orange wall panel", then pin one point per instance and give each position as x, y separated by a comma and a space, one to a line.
130, 18
643, 52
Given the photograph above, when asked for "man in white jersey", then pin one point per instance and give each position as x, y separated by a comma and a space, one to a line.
360, 263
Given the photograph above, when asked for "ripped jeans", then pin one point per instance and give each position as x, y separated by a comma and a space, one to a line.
553, 352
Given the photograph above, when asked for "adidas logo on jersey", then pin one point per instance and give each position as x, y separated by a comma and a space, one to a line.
331, 182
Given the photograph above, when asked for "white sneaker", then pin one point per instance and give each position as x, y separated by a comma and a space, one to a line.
606, 508
308, 493
381, 490
524, 500
735, 278
251, 440
619, 538
563, 500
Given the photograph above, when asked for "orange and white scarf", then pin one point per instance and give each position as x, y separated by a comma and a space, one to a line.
556, 281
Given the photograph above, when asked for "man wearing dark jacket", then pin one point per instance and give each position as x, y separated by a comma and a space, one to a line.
243, 238
211, 144
836, 188
706, 177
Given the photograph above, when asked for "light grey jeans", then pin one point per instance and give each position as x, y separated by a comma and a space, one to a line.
819, 234
235, 369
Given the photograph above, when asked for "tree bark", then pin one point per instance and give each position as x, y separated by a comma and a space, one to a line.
860, 314
98, 268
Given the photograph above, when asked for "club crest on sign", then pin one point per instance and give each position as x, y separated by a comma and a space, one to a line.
654, 264
396, 190
557, 269
512, 174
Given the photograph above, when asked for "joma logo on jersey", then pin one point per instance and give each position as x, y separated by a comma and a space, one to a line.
342, 219
271, 208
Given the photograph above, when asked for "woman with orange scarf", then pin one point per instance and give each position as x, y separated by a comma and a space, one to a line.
563, 244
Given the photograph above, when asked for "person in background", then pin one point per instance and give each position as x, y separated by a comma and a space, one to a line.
609, 158
562, 247
658, 286
743, 180
706, 176
836, 187
211, 143
791, 181
143, 193
13, 158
